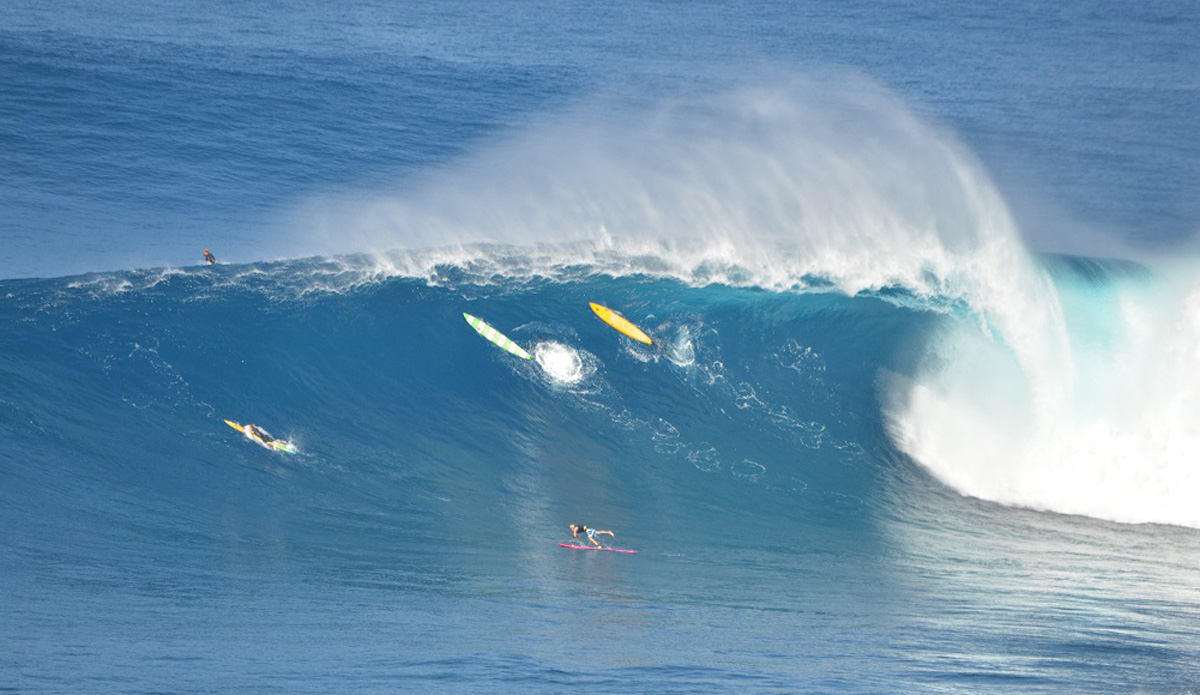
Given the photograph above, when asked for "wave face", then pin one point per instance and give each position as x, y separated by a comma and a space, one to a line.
380, 377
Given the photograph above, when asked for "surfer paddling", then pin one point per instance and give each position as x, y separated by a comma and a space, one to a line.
259, 433
591, 533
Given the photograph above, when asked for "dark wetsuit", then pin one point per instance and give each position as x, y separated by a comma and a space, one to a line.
257, 432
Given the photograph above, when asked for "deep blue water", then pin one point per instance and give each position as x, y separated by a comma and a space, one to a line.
919, 418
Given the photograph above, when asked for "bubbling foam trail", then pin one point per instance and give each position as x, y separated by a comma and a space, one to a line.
560, 362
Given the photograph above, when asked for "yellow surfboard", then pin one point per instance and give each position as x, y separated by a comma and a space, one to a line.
620, 323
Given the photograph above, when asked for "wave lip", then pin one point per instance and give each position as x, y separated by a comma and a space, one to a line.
1107, 429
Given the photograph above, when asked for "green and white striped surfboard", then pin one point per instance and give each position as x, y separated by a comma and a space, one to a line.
495, 336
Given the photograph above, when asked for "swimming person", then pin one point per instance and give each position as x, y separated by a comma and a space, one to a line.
591, 533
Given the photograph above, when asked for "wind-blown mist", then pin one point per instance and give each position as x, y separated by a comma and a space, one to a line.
754, 185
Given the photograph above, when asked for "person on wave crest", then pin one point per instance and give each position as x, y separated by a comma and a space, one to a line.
591, 533
209, 258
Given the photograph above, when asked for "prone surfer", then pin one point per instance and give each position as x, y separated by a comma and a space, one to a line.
591, 533
259, 434
209, 258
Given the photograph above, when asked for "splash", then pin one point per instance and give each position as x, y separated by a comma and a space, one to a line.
561, 362
681, 350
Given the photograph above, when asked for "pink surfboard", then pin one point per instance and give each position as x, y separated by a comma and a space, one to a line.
571, 546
